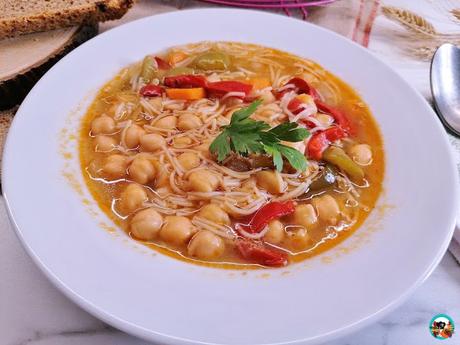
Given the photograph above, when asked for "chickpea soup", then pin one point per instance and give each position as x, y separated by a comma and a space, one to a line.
232, 155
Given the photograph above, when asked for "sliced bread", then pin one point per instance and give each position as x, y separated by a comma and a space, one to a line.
25, 16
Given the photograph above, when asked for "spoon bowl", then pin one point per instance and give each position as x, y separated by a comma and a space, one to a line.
445, 86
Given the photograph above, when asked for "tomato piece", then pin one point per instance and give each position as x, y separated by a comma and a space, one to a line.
310, 124
261, 254
221, 88
338, 116
259, 220
316, 145
162, 64
303, 87
185, 81
294, 106
335, 133
321, 140
151, 90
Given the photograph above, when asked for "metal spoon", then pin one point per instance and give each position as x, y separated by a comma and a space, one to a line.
445, 86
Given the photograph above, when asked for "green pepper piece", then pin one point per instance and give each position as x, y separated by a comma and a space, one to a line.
212, 61
179, 71
325, 180
335, 155
148, 69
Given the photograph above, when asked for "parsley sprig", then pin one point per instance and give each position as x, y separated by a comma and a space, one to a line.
244, 135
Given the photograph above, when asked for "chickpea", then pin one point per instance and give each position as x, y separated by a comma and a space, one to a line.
103, 125
181, 142
133, 136
141, 170
204, 149
275, 233
267, 97
167, 122
188, 121
204, 181
104, 143
305, 215
132, 198
215, 214
115, 166
162, 175
324, 119
152, 142
327, 208
189, 160
146, 224
176, 230
361, 154
206, 245
306, 99
156, 102
271, 181
248, 185
299, 239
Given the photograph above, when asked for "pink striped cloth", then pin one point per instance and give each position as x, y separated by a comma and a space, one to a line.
353, 19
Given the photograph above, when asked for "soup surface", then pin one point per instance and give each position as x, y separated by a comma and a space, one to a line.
232, 155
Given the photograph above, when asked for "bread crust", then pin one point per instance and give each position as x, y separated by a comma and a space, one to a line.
19, 22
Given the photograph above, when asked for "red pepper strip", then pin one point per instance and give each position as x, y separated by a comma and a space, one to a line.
221, 88
250, 99
266, 213
162, 64
320, 141
338, 116
294, 106
151, 90
261, 254
185, 81
335, 133
316, 145
304, 87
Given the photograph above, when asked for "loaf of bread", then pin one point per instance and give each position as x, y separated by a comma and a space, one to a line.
25, 16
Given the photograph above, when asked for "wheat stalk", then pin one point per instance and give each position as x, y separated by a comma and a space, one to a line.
426, 51
410, 19
456, 13
428, 38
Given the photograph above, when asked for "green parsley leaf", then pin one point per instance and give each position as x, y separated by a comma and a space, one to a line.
244, 136
277, 158
294, 157
244, 113
288, 131
221, 145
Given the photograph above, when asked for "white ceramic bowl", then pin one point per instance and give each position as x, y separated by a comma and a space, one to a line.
172, 302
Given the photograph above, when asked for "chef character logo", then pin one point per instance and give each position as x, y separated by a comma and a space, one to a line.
442, 326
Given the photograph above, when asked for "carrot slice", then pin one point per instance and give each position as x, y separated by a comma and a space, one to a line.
187, 94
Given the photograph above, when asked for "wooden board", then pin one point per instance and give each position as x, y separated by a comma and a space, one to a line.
24, 59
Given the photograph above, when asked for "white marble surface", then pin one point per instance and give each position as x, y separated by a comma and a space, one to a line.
34, 312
